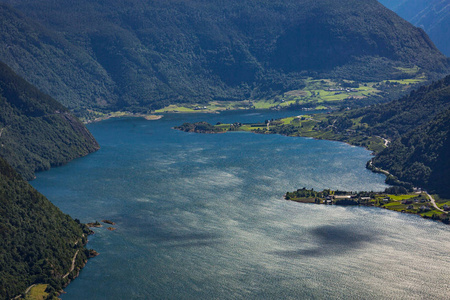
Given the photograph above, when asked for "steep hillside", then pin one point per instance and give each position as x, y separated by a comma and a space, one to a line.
162, 52
38, 241
431, 15
37, 132
396, 118
47, 60
421, 156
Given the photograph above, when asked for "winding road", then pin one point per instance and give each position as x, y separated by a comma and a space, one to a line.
434, 203
73, 264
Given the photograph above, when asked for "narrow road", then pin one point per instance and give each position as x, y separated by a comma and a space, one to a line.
386, 141
26, 292
434, 203
29, 288
73, 264
378, 169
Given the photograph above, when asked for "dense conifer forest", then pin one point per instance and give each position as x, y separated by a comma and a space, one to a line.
37, 132
417, 126
38, 241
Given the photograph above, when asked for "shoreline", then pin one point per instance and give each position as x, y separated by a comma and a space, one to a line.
72, 274
438, 213
415, 203
148, 117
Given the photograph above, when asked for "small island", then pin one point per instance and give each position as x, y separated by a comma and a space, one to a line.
94, 224
393, 198
108, 222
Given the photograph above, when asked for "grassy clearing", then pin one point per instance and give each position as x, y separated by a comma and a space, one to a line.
401, 197
306, 126
37, 292
317, 92
440, 202
410, 71
175, 108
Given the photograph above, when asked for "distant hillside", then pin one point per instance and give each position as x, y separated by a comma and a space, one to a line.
148, 54
37, 132
431, 15
38, 241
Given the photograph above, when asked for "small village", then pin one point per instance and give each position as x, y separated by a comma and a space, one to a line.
417, 202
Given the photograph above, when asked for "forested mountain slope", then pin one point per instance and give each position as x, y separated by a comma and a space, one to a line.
397, 117
159, 52
56, 66
38, 241
37, 132
421, 156
431, 15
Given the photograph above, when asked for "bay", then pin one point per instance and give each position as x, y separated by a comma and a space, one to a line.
202, 216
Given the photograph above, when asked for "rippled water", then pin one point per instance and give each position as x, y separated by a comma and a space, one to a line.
202, 216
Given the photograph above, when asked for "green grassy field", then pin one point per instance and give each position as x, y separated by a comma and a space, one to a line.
317, 93
37, 292
401, 197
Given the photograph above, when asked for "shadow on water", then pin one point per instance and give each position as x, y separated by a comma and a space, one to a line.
178, 240
332, 240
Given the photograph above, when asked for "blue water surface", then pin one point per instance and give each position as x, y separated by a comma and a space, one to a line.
202, 216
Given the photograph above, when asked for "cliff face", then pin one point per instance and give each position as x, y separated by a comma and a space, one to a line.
36, 132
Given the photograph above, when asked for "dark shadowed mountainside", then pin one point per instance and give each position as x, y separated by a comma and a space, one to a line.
37, 132
398, 117
154, 53
431, 15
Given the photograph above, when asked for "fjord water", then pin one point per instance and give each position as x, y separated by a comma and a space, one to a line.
201, 216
